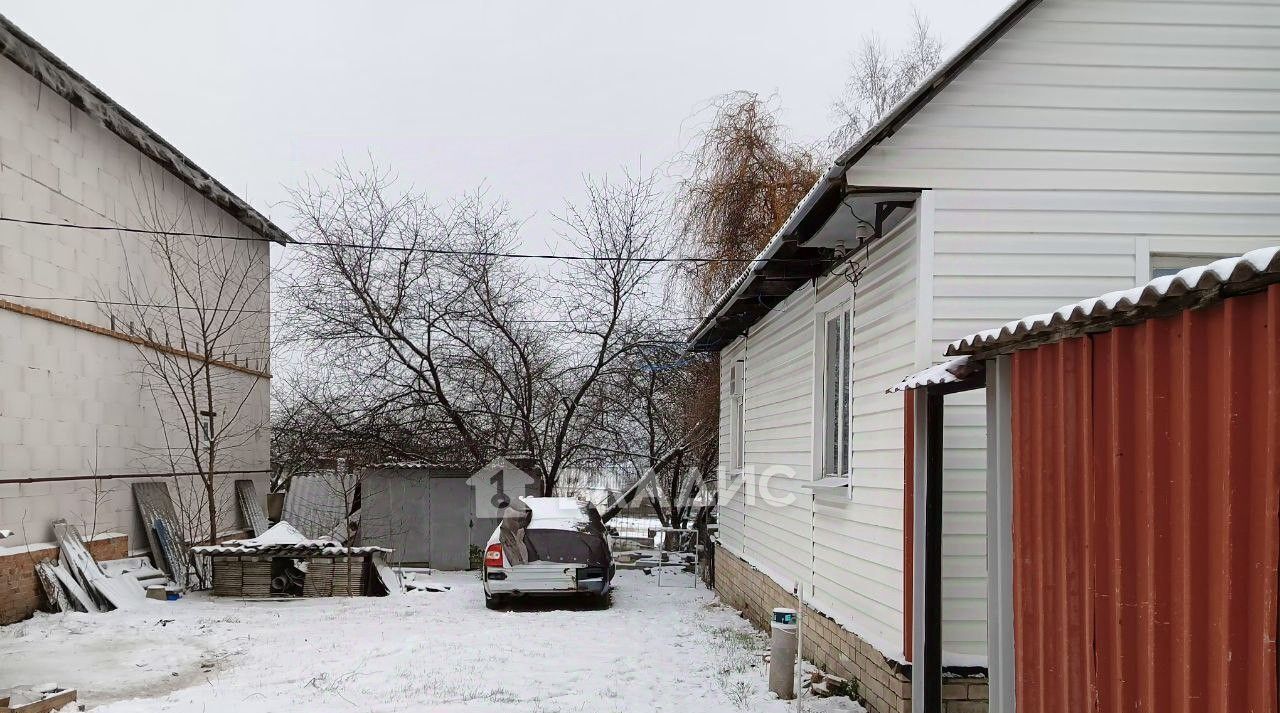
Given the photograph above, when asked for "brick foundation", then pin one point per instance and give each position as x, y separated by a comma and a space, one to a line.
884, 686
20, 592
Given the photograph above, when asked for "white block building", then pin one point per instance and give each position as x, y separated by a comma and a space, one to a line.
79, 407
1073, 148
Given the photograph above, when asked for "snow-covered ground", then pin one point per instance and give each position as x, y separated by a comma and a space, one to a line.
656, 649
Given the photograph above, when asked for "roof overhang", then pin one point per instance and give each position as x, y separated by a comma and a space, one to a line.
33, 58
907, 107
794, 255
830, 223
954, 374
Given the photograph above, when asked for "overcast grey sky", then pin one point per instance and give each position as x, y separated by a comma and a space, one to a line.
525, 97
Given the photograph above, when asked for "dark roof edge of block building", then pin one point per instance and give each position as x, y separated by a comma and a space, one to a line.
35, 59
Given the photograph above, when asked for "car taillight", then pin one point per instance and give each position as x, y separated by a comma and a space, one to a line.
493, 556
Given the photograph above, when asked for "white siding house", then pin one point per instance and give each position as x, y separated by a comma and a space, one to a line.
1071, 149
76, 409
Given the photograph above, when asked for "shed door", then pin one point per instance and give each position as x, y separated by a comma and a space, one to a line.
450, 523
394, 516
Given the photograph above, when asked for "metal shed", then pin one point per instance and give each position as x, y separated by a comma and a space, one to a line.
1133, 492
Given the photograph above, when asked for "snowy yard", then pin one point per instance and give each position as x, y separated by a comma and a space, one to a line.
657, 649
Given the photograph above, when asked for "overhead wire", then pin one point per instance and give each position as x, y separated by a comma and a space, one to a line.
398, 248
394, 248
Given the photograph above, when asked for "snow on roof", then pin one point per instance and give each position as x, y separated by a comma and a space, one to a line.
281, 533
948, 372
284, 539
1257, 265
418, 465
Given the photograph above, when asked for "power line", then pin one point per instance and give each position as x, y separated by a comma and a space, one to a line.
122, 476
400, 248
125, 303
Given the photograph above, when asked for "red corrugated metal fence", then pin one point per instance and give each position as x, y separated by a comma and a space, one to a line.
1147, 515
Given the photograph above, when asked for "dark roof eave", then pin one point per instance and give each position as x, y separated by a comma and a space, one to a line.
701, 339
917, 99
823, 198
47, 68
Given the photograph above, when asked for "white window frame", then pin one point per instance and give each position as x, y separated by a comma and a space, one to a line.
737, 415
827, 482
837, 392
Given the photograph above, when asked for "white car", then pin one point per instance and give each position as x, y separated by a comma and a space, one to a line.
553, 547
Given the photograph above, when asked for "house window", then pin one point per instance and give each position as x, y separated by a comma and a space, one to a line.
838, 393
737, 415
1162, 265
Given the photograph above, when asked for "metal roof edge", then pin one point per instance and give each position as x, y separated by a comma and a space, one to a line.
833, 175
883, 129
941, 77
48, 69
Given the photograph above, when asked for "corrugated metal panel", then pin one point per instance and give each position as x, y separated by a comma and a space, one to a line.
1147, 514
316, 504
1262, 264
948, 372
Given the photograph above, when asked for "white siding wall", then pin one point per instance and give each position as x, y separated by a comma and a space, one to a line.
732, 497
774, 511
858, 555
849, 552
72, 402
1092, 135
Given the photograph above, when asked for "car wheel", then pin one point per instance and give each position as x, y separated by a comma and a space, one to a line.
495, 601
602, 601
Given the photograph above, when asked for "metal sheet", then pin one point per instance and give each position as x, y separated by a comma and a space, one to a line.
155, 504
251, 507
317, 504
450, 523
1147, 514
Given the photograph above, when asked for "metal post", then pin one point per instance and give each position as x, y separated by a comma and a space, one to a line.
799, 646
931, 657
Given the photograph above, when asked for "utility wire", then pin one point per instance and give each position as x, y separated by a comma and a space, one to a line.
123, 303
121, 476
400, 248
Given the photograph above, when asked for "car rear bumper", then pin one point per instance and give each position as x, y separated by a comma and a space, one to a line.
588, 587
543, 581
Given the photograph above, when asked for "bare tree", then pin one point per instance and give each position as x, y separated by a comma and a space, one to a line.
658, 407
880, 78
95, 496
742, 178
197, 309
434, 326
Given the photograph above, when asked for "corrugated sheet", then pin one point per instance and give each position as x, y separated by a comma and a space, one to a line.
317, 504
948, 372
1256, 265
1146, 514
302, 550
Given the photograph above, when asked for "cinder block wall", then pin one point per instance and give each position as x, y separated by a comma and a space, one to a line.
20, 592
884, 686
72, 383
